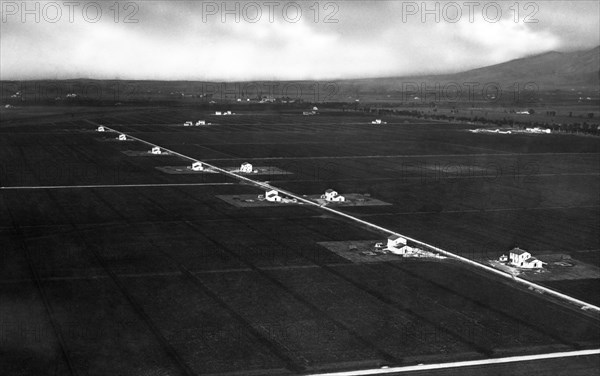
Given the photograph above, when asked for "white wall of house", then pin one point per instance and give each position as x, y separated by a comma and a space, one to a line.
396, 242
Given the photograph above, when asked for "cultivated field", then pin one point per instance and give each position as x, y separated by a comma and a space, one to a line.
111, 266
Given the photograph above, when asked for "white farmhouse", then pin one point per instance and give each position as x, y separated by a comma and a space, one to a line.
378, 121
333, 196
395, 241
122, 137
523, 259
246, 167
156, 150
272, 196
218, 113
397, 245
197, 166
201, 122
187, 124
101, 129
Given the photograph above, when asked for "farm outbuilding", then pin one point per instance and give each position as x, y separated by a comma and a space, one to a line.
402, 250
156, 150
218, 113
101, 129
197, 166
122, 137
246, 167
201, 122
533, 263
187, 124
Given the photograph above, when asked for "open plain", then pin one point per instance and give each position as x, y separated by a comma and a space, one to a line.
112, 267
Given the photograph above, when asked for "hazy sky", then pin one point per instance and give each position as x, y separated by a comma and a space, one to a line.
201, 40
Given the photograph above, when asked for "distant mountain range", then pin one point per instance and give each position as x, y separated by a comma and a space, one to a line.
553, 70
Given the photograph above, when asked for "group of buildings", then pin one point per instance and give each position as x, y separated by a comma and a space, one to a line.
198, 123
396, 244
330, 196
273, 196
314, 111
520, 258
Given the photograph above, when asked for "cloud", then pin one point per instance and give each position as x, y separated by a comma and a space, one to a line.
172, 41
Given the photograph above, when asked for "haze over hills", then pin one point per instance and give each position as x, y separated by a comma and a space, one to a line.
579, 70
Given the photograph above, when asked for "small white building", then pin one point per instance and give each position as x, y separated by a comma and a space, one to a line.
227, 113
333, 196
101, 129
201, 122
378, 121
218, 113
122, 137
315, 108
188, 124
272, 196
156, 150
246, 167
197, 166
523, 259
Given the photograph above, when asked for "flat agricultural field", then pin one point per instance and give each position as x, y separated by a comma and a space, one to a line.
110, 265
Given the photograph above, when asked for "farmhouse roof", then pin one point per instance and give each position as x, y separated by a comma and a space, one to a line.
394, 237
329, 190
518, 251
530, 260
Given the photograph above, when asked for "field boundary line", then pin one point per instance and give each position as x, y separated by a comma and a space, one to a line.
267, 187
466, 363
111, 186
403, 155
